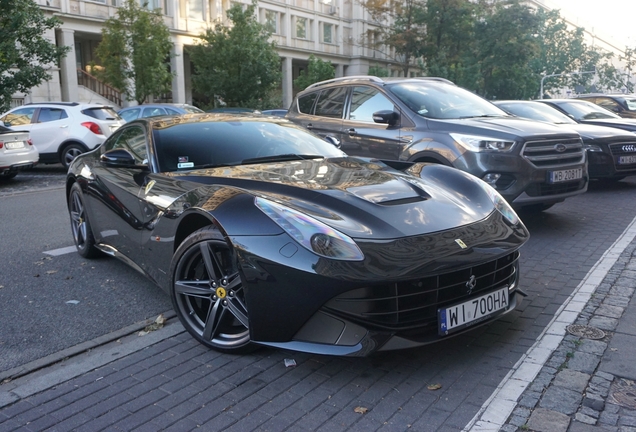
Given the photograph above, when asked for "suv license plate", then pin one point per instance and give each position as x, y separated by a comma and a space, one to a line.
565, 175
461, 315
625, 160
14, 145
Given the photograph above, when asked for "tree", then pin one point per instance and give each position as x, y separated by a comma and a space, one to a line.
317, 70
135, 52
400, 29
25, 54
237, 63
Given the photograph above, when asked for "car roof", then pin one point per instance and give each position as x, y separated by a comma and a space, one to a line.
375, 80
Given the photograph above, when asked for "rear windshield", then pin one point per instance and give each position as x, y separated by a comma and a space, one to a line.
102, 113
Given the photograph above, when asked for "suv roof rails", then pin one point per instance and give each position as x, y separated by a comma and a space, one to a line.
54, 103
345, 78
444, 80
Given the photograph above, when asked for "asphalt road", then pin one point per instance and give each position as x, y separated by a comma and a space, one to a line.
52, 302
566, 242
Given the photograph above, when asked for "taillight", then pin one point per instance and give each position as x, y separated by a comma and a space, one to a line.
30, 141
1, 144
94, 127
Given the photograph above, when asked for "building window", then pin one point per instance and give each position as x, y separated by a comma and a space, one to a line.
196, 10
327, 33
151, 4
271, 21
301, 28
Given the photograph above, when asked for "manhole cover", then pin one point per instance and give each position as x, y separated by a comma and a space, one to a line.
587, 332
623, 393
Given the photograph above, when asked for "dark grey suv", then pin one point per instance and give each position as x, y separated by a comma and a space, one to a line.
433, 120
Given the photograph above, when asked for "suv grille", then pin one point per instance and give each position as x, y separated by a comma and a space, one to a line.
410, 304
553, 152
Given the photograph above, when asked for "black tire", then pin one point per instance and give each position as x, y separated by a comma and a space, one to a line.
207, 292
69, 153
80, 225
8, 176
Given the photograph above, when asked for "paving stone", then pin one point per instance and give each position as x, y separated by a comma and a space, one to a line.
583, 362
572, 380
604, 323
590, 412
590, 346
545, 420
580, 417
595, 402
561, 400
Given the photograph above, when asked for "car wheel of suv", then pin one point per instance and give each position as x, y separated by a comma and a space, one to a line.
69, 153
8, 176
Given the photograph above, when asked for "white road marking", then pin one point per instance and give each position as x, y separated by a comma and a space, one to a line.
61, 251
496, 410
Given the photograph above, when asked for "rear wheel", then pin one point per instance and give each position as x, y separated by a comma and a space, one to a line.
80, 226
69, 153
207, 292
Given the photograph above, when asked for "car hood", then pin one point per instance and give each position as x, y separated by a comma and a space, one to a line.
362, 197
626, 124
509, 127
599, 132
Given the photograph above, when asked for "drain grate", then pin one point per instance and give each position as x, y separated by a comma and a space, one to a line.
584, 331
623, 393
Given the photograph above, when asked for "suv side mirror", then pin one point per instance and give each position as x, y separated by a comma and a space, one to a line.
118, 158
333, 140
387, 117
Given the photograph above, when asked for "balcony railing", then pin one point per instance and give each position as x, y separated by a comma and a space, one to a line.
104, 90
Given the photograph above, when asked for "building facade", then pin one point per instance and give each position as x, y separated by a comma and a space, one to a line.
333, 30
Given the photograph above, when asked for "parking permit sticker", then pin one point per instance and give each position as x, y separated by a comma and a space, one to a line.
183, 162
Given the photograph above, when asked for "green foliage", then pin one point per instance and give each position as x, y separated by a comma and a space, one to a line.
25, 55
317, 70
134, 52
378, 71
237, 63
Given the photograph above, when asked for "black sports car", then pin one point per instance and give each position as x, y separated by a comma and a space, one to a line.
263, 233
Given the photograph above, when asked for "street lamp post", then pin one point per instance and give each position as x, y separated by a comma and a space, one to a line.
561, 74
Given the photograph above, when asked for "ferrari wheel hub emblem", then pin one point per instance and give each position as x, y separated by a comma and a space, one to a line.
220, 292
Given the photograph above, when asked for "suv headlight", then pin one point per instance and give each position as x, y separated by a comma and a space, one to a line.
312, 234
477, 143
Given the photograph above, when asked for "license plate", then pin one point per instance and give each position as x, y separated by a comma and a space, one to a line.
566, 175
625, 160
472, 311
14, 145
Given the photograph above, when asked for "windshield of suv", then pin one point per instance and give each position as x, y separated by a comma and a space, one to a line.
586, 111
536, 111
444, 101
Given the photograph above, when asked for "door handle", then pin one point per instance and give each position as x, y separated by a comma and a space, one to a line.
309, 126
351, 132
64, 126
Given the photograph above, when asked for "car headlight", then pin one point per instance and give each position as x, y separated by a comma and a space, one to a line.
482, 144
312, 234
502, 205
592, 147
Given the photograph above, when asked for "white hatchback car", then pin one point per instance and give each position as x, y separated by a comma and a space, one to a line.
62, 130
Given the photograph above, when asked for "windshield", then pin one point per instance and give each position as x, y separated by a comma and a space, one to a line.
102, 113
536, 111
203, 144
631, 103
586, 111
444, 101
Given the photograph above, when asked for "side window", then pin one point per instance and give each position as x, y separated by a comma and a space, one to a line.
306, 103
152, 112
331, 102
19, 117
608, 103
132, 139
131, 114
365, 101
172, 111
51, 114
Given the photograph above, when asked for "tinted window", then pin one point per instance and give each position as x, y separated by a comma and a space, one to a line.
102, 113
51, 114
172, 111
608, 104
152, 112
132, 139
586, 110
331, 102
192, 109
21, 116
306, 103
365, 101
537, 111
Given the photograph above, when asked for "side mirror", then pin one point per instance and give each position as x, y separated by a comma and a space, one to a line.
386, 117
333, 140
118, 158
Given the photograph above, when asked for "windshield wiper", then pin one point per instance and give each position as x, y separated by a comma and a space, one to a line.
482, 116
280, 158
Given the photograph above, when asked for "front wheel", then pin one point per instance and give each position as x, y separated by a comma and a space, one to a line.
207, 292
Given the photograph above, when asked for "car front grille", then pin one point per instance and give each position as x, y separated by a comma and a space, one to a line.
414, 303
623, 149
554, 152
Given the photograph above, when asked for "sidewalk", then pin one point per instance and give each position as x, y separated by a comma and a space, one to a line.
165, 380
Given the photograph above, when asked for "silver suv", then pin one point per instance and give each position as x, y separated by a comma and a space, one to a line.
531, 164
62, 130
